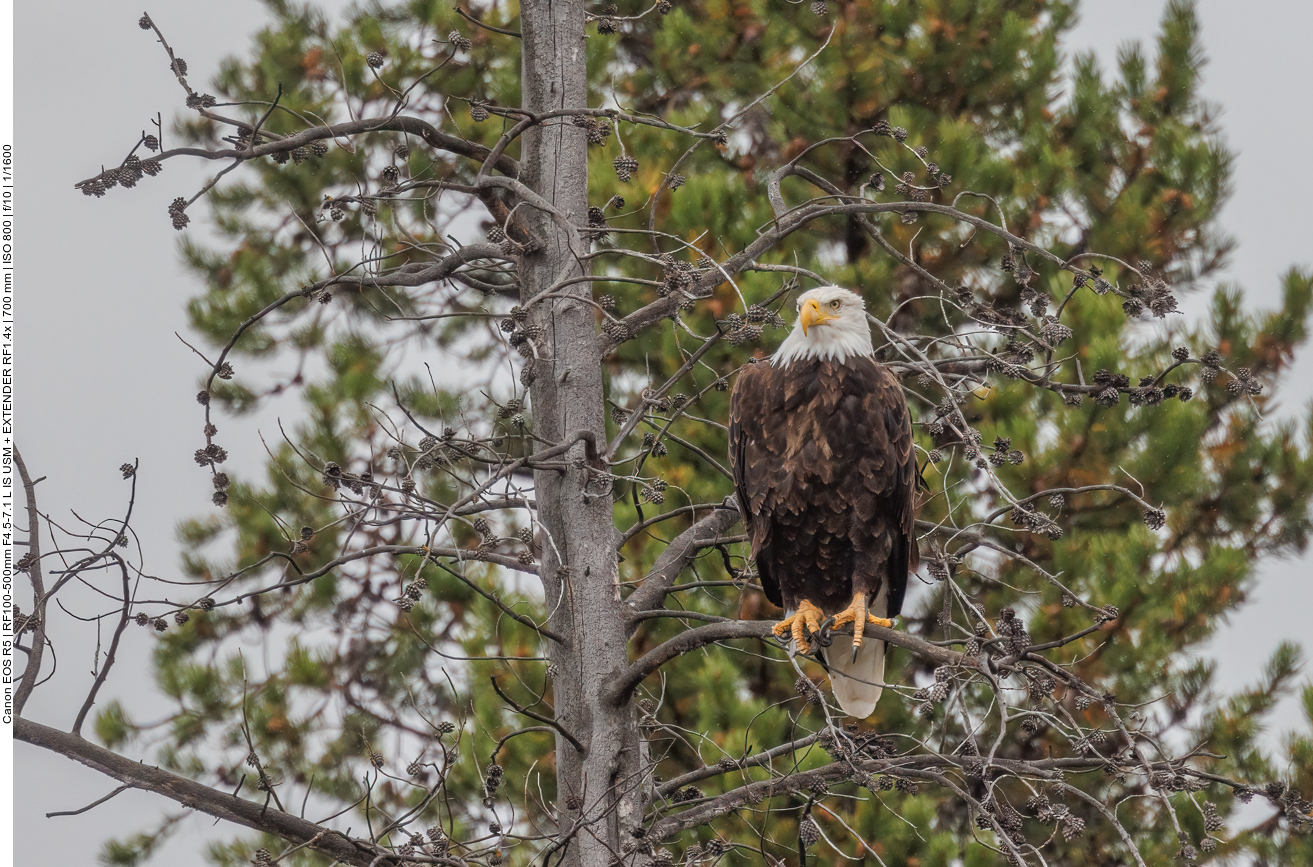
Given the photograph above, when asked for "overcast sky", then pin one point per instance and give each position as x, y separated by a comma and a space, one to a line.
104, 380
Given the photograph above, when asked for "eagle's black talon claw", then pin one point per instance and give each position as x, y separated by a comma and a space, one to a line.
826, 636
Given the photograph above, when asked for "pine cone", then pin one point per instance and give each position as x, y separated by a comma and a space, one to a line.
808, 831
625, 166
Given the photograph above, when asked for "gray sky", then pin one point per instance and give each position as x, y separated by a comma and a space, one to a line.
104, 380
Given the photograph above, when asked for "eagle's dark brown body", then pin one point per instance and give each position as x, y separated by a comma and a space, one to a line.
823, 460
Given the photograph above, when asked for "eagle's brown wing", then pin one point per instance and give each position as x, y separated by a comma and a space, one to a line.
749, 461
818, 447
886, 405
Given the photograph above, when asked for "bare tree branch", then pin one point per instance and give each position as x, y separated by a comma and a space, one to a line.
701, 636
681, 551
112, 653
189, 793
33, 669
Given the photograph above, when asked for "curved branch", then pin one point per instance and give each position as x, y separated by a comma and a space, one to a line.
679, 553
33, 669
519, 708
628, 681
757, 760
411, 125
194, 795
801, 216
924, 767
665, 516
96, 803
522, 619
470, 18
406, 276
515, 734
112, 654
867, 226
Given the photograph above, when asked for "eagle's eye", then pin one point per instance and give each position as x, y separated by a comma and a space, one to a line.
835, 304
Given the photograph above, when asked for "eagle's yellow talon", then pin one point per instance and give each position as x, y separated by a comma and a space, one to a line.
857, 613
807, 619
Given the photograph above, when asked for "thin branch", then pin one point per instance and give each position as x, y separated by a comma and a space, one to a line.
628, 680
470, 18
535, 715
189, 793
430, 134
111, 655
681, 551
95, 803
33, 669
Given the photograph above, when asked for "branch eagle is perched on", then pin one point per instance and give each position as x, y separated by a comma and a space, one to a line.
820, 441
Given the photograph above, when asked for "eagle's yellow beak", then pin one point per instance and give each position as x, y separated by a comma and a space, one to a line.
811, 315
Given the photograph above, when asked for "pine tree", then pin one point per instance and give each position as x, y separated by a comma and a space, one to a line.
1098, 472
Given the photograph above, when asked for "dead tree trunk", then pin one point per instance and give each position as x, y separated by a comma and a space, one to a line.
578, 565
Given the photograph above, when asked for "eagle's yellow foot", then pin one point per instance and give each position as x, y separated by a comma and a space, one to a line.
857, 615
806, 619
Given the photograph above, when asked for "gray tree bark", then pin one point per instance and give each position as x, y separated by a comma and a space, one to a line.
578, 566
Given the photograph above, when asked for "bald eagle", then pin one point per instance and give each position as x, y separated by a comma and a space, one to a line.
820, 443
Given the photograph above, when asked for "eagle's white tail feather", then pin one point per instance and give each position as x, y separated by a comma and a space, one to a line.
856, 683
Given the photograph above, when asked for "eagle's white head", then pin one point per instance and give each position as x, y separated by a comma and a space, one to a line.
831, 326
